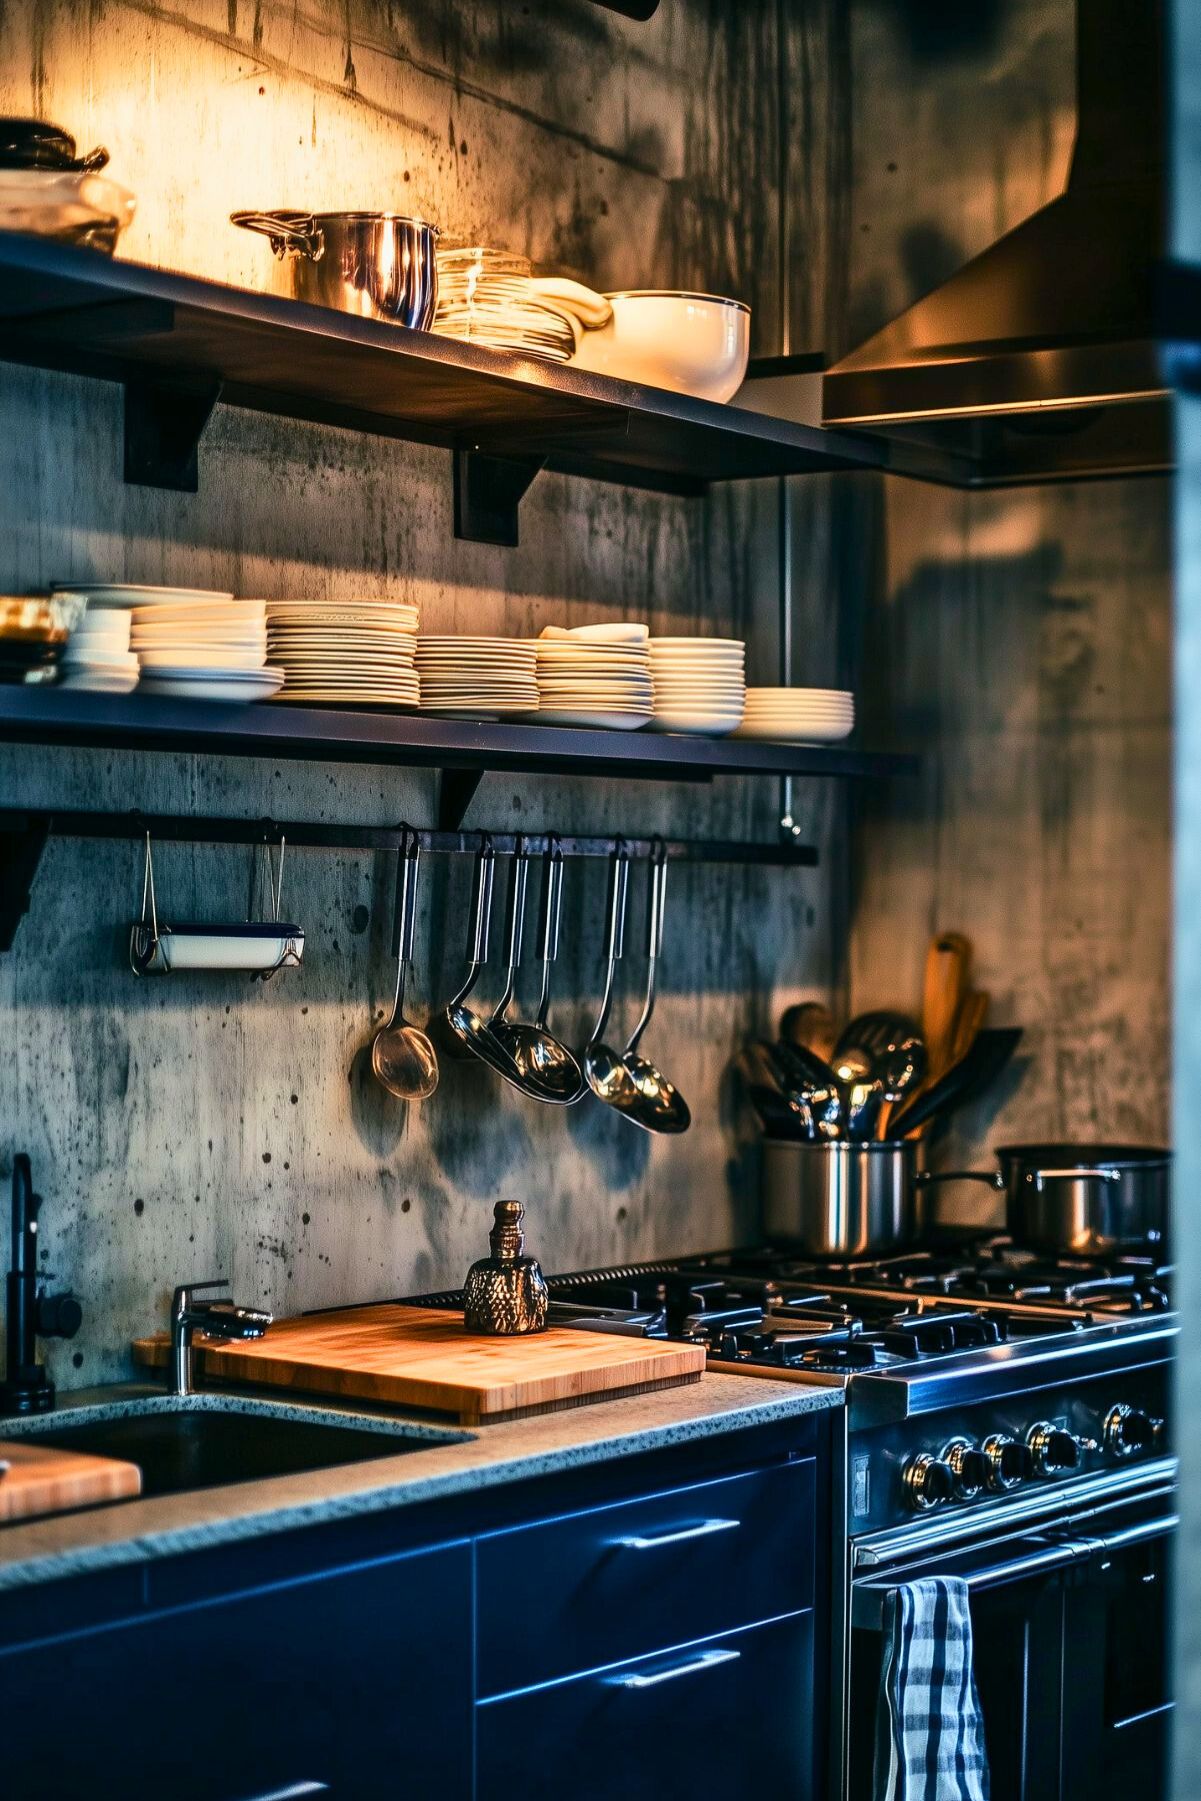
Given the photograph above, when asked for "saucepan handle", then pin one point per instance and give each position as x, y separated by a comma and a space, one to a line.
1085, 1174
295, 232
990, 1177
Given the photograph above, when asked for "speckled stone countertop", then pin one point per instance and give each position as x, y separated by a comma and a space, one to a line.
456, 1462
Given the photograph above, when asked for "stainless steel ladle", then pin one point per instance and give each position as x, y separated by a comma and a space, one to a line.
465, 1025
549, 1071
604, 1069
659, 1107
402, 1057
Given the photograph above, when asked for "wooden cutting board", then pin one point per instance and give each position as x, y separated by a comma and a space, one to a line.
424, 1357
42, 1479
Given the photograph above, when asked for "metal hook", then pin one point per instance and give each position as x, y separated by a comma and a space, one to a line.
148, 889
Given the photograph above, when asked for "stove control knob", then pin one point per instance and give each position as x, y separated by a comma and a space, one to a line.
1055, 1452
969, 1468
1128, 1429
927, 1481
1010, 1462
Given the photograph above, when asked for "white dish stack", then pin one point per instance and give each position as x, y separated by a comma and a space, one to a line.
476, 678
699, 685
595, 675
487, 297
347, 652
211, 649
798, 715
97, 658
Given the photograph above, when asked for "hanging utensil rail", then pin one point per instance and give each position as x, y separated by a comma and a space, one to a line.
24, 832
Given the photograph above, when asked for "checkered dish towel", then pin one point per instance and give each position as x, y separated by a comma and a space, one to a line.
929, 1730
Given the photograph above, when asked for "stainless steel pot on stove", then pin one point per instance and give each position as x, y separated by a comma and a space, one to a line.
840, 1198
1080, 1199
375, 265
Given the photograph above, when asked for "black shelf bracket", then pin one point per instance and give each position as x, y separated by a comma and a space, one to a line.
164, 421
22, 841
488, 492
456, 790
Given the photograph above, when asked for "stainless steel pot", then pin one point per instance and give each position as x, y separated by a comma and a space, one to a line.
1086, 1198
842, 1199
1080, 1199
376, 265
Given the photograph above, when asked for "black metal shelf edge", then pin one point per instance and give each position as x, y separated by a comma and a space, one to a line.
178, 343
42, 715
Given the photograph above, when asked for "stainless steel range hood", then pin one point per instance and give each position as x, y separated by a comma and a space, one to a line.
1038, 360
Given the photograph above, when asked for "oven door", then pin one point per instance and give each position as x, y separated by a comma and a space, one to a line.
1068, 1710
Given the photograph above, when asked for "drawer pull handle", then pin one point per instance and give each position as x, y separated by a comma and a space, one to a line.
707, 1660
294, 1791
704, 1530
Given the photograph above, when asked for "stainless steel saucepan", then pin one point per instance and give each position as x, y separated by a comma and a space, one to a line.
1086, 1200
841, 1198
375, 265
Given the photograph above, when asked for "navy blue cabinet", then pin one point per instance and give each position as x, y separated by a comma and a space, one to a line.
731, 1717
357, 1679
649, 1629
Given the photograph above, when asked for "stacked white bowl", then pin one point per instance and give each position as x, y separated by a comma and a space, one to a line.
97, 658
345, 652
798, 715
700, 684
476, 678
204, 650
595, 675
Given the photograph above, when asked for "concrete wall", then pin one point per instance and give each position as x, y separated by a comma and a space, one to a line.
1020, 641
206, 1126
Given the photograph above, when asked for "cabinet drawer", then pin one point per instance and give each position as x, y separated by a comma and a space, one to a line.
732, 1716
592, 1588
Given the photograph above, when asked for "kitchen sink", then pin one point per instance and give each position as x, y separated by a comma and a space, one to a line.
197, 1441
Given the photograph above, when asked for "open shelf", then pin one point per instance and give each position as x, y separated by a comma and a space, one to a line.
179, 345
45, 715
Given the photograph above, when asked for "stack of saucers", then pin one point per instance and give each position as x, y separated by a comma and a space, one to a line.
700, 684
595, 675
97, 659
486, 297
798, 715
204, 650
476, 678
346, 653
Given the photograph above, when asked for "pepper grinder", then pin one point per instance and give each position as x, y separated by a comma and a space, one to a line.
505, 1294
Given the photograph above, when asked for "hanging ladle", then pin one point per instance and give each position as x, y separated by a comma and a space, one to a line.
660, 1107
606, 1074
548, 1070
462, 1022
402, 1057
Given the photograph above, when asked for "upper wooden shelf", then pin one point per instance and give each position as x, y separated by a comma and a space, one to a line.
179, 344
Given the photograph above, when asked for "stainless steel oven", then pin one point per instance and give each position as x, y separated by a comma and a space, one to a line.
1069, 1620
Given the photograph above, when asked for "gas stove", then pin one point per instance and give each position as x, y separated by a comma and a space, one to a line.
949, 1346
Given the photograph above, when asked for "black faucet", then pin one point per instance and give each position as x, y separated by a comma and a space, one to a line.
31, 1314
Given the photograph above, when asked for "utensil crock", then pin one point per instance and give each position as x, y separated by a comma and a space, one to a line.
836, 1198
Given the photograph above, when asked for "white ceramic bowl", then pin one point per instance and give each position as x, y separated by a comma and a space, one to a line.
691, 343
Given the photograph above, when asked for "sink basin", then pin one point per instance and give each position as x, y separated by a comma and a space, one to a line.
188, 1442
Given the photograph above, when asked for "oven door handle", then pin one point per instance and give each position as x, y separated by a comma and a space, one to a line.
867, 1598
1106, 1543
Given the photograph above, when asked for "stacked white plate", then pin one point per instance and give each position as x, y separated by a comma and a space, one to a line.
476, 678
486, 297
97, 658
699, 684
126, 594
204, 650
798, 715
596, 675
355, 652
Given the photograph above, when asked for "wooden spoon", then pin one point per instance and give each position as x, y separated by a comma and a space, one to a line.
948, 969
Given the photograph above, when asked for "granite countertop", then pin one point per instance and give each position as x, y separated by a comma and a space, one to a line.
455, 1463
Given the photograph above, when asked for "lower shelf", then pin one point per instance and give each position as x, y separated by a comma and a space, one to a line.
45, 715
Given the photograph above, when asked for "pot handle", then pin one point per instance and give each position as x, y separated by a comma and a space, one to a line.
295, 232
1087, 1174
990, 1178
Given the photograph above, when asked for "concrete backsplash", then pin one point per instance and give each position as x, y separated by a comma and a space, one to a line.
197, 1126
